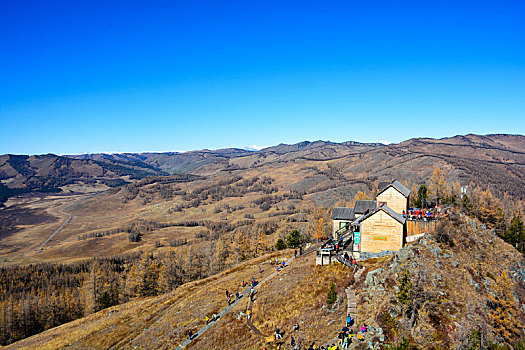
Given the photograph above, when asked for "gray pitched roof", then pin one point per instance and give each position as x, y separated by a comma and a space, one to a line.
386, 209
398, 186
392, 213
343, 213
363, 205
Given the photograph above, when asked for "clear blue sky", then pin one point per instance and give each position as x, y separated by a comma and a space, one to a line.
127, 76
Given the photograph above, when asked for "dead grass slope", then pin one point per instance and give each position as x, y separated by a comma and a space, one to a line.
295, 295
151, 323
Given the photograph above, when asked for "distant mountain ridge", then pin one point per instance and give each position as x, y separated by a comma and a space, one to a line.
496, 159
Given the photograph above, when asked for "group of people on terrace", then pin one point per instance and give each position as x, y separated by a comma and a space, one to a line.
420, 214
333, 244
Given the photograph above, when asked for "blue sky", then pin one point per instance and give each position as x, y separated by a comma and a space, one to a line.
129, 76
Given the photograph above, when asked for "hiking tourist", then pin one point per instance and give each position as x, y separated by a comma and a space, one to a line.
363, 328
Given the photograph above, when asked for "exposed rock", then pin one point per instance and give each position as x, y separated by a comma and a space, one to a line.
372, 278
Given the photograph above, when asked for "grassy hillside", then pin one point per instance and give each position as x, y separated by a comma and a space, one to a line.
454, 291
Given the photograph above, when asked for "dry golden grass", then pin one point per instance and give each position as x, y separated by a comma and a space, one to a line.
152, 323
295, 295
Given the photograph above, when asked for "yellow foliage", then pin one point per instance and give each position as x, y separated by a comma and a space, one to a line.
437, 186
504, 316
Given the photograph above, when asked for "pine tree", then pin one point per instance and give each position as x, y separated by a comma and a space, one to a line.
405, 286
280, 245
332, 295
422, 197
515, 234
465, 203
294, 239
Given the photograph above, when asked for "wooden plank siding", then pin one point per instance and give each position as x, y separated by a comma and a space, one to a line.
418, 227
381, 232
394, 199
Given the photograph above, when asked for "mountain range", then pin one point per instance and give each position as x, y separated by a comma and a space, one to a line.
497, 160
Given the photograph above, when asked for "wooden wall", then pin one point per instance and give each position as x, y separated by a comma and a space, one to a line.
394, 199
381, 232
417, 227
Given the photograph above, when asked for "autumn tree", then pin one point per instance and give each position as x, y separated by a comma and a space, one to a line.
505, 313
360, 195
320, 220
149, 282
437, 186
489, 212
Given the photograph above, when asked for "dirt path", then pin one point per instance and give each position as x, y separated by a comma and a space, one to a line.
61, 211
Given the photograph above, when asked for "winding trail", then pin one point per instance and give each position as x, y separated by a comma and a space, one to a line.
227, 309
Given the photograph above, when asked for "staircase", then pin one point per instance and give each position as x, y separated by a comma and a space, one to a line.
352, 303
351, 297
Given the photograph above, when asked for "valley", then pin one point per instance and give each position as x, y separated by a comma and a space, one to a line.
148, 235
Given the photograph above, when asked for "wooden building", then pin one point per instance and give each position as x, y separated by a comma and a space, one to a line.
341, 217
375, 226
394, 195
380, 230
